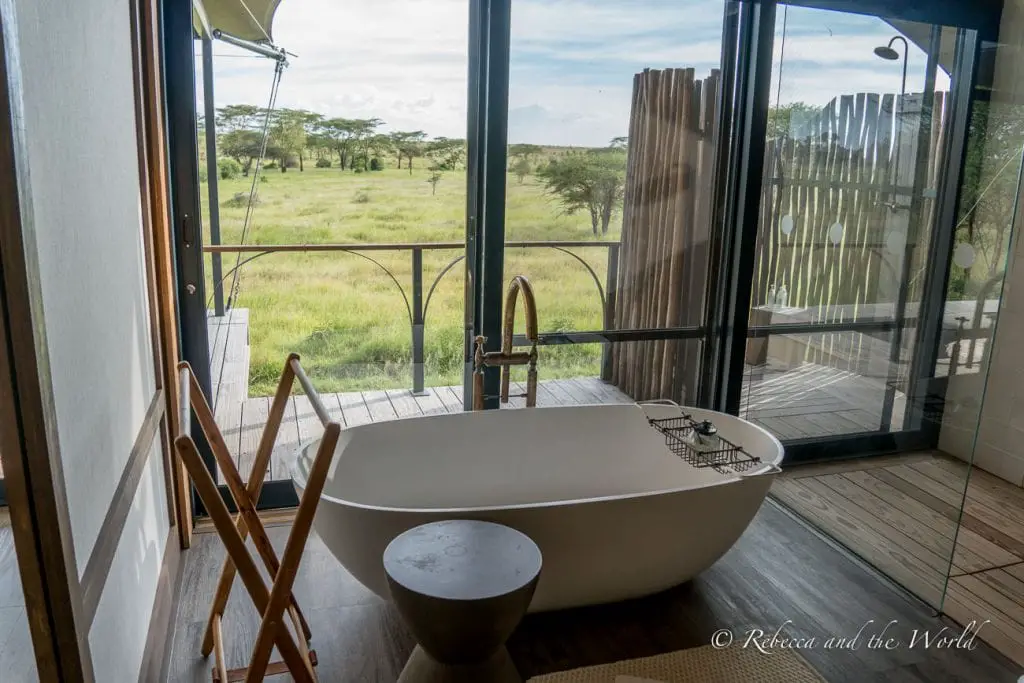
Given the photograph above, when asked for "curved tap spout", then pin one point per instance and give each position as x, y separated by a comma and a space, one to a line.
506, 358
520, 284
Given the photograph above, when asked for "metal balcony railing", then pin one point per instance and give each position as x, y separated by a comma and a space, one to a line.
417, 300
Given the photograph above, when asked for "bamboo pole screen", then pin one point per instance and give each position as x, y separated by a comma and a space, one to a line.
853, 163
666, 220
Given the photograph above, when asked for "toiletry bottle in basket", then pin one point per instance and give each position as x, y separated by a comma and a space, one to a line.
705, 437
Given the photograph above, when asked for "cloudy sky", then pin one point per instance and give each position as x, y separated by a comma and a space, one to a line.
404, 61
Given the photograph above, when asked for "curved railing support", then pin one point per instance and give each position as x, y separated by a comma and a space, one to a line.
416, 305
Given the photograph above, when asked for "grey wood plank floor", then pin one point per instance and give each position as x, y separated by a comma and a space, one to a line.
779, 570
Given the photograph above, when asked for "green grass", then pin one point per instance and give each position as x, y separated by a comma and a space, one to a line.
348, 319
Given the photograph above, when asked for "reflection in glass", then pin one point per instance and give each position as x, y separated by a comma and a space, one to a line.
612, 149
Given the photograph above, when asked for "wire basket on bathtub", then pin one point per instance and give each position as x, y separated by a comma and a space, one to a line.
680, 432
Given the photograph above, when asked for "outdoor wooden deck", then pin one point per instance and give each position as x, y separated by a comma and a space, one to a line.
243, 426
901, 514
813, 400
792, 402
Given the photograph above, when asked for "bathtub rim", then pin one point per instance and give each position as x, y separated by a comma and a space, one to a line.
768, 468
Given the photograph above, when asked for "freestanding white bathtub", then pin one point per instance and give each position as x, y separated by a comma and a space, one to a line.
615, 513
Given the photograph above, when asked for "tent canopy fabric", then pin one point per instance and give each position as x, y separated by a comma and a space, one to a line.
247, 19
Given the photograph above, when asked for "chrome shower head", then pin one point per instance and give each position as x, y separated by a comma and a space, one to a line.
886, 52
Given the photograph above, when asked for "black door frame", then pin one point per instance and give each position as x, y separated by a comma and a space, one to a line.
918, 431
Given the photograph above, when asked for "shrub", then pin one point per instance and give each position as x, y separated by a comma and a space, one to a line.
240, 200
375, 164
323, 163
270, 165
361, 198
228, 168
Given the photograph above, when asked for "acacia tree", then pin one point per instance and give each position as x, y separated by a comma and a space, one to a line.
592, 180
522, 169
407, 144
524, 151
240, 117
287, 137
434, 178
244, 146
446, 153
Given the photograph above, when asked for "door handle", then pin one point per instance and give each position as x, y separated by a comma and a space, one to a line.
188, 231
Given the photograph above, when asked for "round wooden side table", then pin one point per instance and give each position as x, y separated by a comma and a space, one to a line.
462, 587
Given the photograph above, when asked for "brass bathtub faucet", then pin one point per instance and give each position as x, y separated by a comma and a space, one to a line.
506, 358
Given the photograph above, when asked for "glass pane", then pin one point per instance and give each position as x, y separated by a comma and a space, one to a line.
612, 146
853, 163
572, 373
921, 515
820, 385
365, 150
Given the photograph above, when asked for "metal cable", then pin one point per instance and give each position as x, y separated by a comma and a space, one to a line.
253, 194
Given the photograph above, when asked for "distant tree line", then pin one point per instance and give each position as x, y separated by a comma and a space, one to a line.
296, 136
590, 180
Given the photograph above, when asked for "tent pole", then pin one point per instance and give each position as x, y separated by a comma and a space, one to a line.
213, 202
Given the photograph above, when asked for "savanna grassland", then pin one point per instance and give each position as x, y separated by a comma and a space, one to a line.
346, 317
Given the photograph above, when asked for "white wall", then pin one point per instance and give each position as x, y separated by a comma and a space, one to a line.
990, 426
83, 164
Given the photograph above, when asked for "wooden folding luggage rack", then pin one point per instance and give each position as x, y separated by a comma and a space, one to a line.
274, 602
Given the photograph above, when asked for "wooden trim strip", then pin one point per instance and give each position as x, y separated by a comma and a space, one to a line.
151, 131
29, 444
94, 578
152, 297
156, 658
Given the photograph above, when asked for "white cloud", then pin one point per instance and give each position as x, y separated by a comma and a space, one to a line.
573, 61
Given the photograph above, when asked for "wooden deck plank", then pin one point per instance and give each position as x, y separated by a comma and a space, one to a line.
850, 465
286, 444
973, 551
939, 497
452, 402
516, 395
354, 409
918, 552
607, 391
254, 418
906, 506
890, 559
940, 540
429, 402
379, 405
229, 421
308, 423
404, 402
584, 391
1007, 520
983, 489
948, 511
544, 396
562, 394
1007, 584
964, 606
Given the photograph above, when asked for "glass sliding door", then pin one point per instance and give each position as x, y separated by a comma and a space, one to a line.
613, 139
857, 151
319, 210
